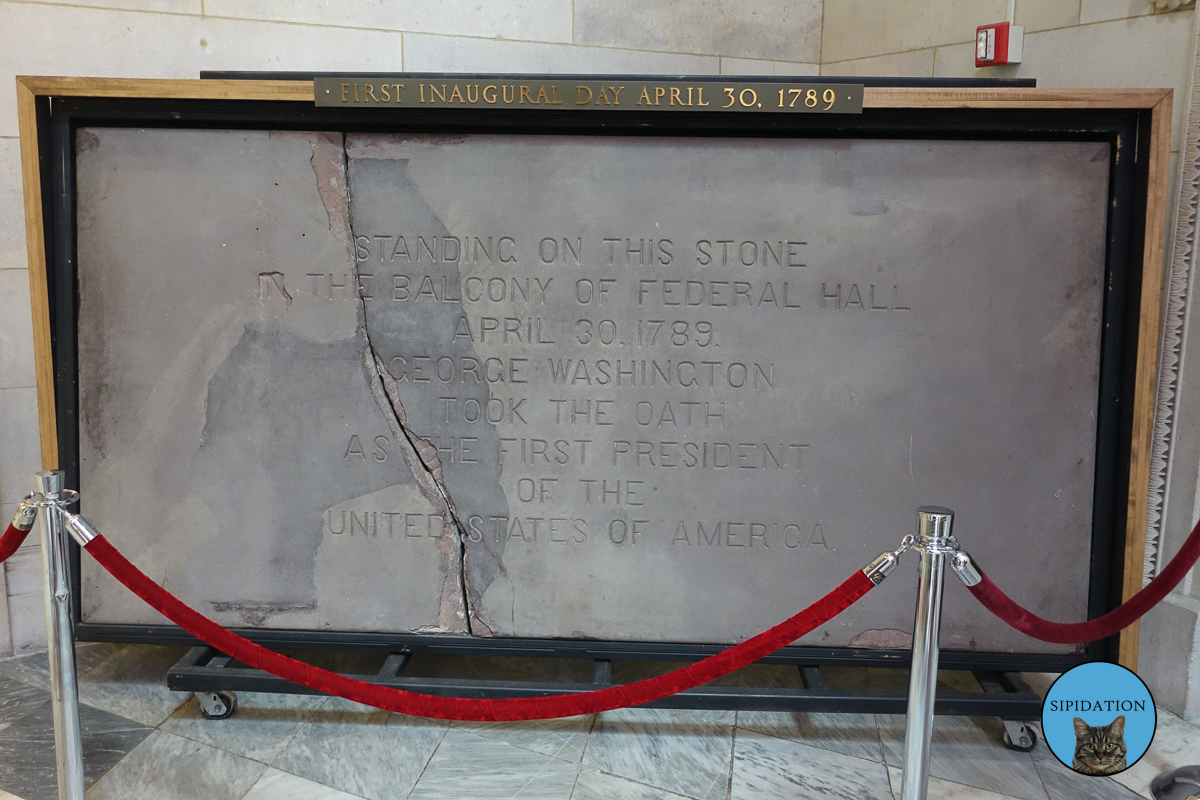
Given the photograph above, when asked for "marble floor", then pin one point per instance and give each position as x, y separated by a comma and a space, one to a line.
143, 742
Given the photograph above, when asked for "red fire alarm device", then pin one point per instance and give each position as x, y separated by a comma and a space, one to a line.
997, 44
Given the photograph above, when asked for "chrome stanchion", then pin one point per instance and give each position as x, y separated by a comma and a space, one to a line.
935, 542
51, 501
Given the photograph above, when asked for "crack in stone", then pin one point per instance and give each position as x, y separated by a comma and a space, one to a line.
420, 454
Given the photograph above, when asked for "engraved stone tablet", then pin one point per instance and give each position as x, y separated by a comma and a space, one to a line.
653, 388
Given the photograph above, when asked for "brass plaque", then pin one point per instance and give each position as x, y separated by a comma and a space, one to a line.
454, 91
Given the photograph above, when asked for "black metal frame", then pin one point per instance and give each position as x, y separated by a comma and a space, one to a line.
1125, 130
1005, 694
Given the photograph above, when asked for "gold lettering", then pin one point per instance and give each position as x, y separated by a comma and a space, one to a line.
700, 96
644, 99
603, 97
369, 93
489, 98
456, 93
474, 99
355, 85
579, 90
542, 98
345, 89
689, 102
433, 92
554, 101
616, 90
421, 87
675, 98
397, 87
386, 92
510, 94
525, 96
659, 91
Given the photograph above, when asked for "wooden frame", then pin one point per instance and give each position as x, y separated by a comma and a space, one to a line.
1157, 101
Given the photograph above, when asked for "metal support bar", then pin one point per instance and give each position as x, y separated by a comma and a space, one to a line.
935, 542
811, 677
64, 691
394, 665
195, 672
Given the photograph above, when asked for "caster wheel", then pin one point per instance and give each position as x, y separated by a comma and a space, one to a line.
217, 705
1018, 736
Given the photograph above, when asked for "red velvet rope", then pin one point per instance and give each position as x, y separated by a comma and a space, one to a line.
10, 541
459, 708
1116, 620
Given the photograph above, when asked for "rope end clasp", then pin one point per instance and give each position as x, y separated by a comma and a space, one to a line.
26, 513
965, 569
879, 569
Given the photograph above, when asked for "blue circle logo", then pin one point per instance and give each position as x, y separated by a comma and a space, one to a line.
1099, 718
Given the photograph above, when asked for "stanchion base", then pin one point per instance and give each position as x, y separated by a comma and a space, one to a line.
1005, 695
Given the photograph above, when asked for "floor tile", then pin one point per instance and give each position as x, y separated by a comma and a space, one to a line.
261, 728
1064, 783
470, 767
16, 699
362, 750
685, 752
34, 668
133, 683
27, 765
276, 785
561, 738
1176, 744
948, 790
849, 734
594, 785
166, 767
968, 750
766, 768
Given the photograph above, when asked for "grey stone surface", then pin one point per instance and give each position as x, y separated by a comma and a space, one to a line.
968, 750
133, 683
27, 766
361, 750
685, 752
592, 784
671, 389
945, 371
233, 438
167, 767
562, 738
34, 668
766, 767
466, 765
854, 735
261, 729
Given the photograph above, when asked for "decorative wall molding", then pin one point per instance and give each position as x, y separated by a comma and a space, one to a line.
1172, 5
1183, 253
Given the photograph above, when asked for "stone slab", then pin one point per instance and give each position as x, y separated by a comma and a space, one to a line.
669, 389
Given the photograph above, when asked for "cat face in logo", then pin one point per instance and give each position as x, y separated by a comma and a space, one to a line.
1099, 750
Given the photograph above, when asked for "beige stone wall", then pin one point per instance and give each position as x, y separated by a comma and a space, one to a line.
1068, 43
